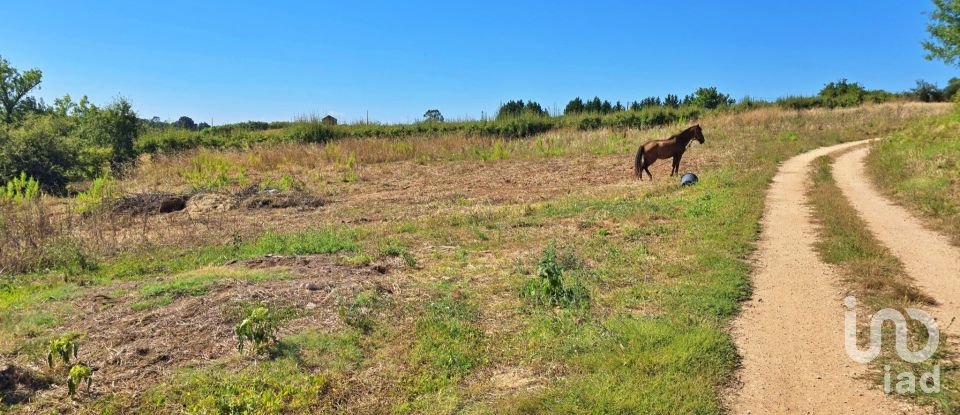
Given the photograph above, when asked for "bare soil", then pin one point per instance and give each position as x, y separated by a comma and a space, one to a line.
129, 350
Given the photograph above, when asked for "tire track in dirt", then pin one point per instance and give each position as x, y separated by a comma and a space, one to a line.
790, 333
927, 256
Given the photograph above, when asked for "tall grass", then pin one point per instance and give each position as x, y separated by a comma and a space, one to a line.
920, 167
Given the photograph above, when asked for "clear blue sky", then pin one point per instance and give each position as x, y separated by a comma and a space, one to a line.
235, 61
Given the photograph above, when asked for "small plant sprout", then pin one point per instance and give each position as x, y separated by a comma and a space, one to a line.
79, 373
62, 349
258, 328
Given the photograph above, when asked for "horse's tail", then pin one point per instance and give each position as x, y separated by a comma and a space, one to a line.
638, 163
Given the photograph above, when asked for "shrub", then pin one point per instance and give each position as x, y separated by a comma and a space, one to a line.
100, 194
798, 102
842, 94
78, 373
550, 287
38, 148
21, 189
259, 328
62, 349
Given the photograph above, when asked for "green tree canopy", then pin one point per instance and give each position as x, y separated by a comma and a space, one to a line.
14, 87
708, 98
944, 29
433, 115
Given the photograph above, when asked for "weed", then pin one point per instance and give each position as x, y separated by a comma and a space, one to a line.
21, 189
549, 288
259, 328
102, 191
61, 350
393, 249
78, 374
358, 311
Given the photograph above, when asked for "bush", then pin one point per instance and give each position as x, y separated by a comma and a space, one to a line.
21, 189
842, 94
550, 287
259, 328
38, 149
100, 194
798, 102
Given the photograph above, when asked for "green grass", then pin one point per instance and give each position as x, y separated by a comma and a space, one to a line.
877, 279
448, 345
194, 284
919, 166
271, 387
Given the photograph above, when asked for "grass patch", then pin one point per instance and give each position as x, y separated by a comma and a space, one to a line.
920, 167
194, 284
271, 387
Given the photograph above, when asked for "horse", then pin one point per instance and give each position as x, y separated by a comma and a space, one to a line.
653, 150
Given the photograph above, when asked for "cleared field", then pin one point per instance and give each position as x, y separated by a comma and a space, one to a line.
440, 274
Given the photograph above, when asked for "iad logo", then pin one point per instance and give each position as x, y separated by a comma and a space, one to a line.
906, 381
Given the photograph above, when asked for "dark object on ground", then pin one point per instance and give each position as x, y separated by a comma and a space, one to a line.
149, 203
19, 385
688, 179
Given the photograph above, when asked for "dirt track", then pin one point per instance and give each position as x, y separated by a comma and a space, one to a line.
927, 256
790, 332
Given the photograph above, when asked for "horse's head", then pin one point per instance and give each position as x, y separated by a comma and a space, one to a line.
697, 133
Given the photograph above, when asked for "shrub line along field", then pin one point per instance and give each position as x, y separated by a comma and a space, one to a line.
441, 275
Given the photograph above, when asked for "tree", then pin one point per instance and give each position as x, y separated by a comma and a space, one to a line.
185, 122
14, 86
433, 115
203, 126
606, 108
38, 148
842, 94
671, 101
517, 108
927, 92
115, 126
593, 106
575, 106
708, 98
944, 28
951, 89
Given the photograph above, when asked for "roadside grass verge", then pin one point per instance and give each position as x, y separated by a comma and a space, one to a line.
878, 280
919, 166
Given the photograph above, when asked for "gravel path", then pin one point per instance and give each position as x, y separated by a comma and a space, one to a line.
928, 257
790, 333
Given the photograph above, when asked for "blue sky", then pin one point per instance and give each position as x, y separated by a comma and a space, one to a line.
235, 61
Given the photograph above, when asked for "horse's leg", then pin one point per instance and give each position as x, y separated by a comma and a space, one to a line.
673, 167
646, 168
676, 163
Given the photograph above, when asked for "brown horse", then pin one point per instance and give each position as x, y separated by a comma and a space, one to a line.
651, 151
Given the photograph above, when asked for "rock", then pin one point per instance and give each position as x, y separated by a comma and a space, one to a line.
311, 306
311, 286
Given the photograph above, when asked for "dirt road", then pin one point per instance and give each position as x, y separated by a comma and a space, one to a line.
927, 256
790, 333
